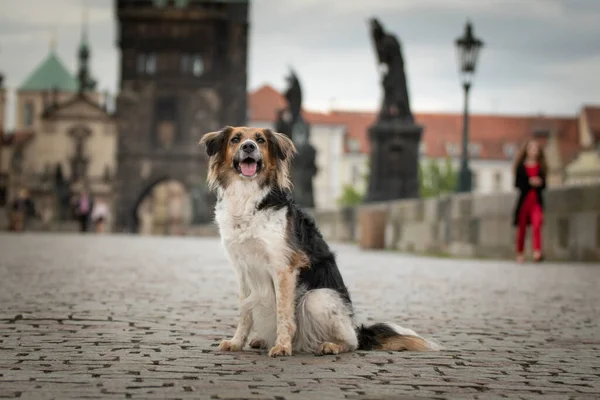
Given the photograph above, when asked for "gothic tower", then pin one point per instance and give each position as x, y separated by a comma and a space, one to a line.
183, 73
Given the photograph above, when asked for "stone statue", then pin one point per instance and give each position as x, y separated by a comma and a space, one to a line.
293, 95
389, 54
291, 123
79, 161
394, 137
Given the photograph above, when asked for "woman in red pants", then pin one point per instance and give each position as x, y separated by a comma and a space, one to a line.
530, 179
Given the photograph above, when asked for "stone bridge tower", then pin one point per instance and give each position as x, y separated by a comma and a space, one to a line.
183, 73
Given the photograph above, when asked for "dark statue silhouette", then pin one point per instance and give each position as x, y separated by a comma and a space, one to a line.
394, 137
389, 53
62, 191
293, 95
291, 123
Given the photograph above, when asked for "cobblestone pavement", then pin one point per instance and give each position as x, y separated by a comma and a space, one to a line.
139, 317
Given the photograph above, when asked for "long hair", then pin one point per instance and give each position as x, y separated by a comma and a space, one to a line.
522, 155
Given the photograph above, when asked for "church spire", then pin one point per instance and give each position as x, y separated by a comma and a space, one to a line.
84, 26
86, 82
53, 40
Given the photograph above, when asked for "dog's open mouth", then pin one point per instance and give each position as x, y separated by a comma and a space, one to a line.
248, 166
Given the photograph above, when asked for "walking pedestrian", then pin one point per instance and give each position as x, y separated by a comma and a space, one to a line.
21, 210
83, 210
530, 180
100, 215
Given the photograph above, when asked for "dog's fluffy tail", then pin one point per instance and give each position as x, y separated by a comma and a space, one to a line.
392, 337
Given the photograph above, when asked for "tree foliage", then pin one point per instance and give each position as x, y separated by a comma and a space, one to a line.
350, 197
435, 181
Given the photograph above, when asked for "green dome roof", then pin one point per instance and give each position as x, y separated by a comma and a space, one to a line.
50, 74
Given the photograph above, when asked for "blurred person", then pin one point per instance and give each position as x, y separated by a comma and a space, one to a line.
83, 209
47, 213
100, 214
530, 180
21, 210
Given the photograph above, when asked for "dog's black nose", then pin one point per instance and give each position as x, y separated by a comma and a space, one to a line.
248, 147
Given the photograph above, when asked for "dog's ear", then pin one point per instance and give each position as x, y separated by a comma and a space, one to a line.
215, 140
282, 145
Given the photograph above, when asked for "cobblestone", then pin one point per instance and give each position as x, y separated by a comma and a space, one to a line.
141, 317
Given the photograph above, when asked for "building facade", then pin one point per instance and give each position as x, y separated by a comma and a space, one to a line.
183, 73
64, 138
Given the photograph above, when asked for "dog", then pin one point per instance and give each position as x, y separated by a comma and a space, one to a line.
292, 295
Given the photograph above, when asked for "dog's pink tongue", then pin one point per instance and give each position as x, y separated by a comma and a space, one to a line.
248, 169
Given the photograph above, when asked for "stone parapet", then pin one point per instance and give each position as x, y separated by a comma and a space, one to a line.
470, 225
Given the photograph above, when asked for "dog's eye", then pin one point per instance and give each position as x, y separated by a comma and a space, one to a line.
260, 140
235, 140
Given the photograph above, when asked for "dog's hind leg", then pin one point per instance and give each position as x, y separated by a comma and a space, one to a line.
325, 323
342, 338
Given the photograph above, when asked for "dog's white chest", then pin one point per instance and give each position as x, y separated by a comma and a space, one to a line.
254, 239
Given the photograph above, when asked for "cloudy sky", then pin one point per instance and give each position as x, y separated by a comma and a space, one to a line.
540, 56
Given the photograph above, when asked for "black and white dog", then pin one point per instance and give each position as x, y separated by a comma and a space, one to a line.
292, 295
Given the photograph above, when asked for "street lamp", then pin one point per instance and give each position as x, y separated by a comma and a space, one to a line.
467, 48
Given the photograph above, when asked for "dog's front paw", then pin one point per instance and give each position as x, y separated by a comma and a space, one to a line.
230, 345
280, 350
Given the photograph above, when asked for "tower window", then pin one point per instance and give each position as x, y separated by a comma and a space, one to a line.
146, 63
474, 150
353, 145
509, 150
452, 149
192, 64
165, 113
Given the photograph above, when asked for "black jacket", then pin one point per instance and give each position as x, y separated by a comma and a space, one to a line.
25, 205
522, 183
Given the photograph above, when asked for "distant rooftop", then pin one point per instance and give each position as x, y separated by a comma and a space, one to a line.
50, 74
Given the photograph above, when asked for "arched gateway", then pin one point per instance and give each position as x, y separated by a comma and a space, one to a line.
164, 208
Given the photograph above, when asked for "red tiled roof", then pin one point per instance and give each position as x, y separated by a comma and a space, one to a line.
490, 132
592, 114
264, 103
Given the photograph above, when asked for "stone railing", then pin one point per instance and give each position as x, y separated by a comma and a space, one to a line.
467, 225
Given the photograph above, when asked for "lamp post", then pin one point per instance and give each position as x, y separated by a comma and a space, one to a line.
467, 48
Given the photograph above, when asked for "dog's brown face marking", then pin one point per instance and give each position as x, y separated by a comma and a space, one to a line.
248, 153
